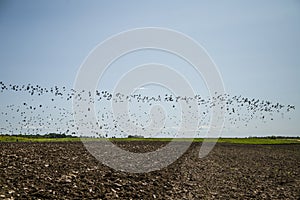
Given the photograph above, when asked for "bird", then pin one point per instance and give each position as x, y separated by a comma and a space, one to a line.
43, 110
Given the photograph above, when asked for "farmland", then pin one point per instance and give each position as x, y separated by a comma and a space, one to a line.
66, 170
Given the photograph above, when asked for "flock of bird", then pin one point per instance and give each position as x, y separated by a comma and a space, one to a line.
41, 110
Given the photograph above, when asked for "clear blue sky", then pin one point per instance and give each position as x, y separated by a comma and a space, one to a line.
255, 44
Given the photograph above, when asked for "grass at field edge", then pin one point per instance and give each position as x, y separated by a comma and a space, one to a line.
220, 140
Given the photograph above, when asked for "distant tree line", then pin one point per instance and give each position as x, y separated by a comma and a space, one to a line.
135, 136
49, 135
275, 137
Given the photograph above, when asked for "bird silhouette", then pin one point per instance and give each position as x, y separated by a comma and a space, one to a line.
47, 110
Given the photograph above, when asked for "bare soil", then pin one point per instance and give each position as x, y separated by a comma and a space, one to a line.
66, 170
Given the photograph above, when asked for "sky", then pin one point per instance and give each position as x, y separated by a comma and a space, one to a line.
254, 44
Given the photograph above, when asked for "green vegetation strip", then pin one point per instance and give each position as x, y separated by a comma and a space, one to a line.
259, 141
221, 140
36, 139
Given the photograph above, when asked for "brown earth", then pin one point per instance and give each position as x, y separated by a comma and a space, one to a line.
230, 171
